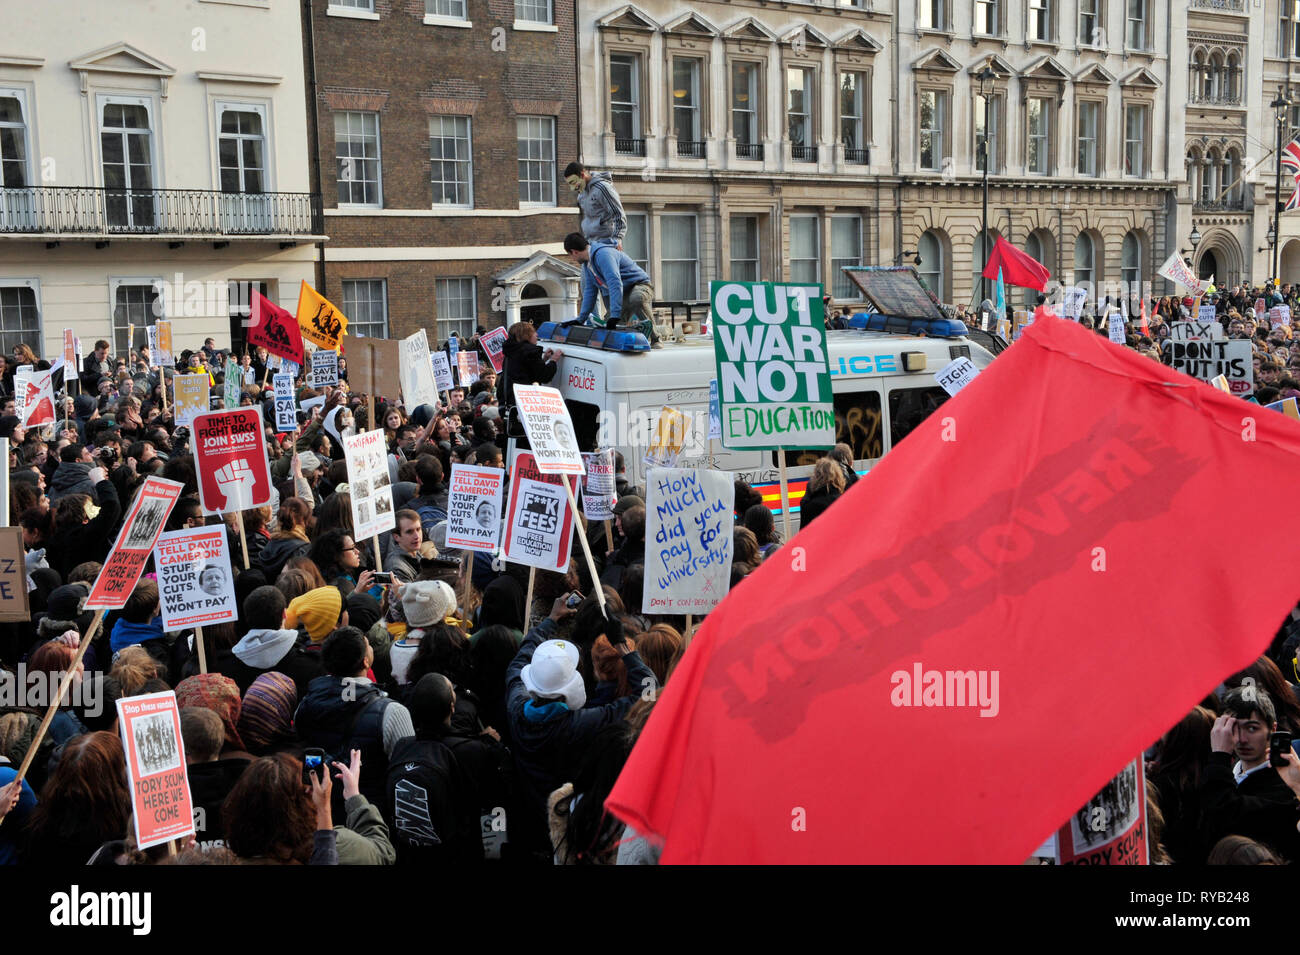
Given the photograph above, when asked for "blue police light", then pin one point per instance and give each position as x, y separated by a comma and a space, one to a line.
898, 325
591, 337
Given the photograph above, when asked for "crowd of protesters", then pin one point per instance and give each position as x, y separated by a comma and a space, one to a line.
458, 721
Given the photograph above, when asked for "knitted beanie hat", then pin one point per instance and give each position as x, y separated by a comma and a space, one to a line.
427, 602
317, 610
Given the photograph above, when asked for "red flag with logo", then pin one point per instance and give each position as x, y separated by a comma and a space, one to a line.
275, 329
949, 681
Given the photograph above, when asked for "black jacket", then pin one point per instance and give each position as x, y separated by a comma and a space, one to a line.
210, 784
90, 541
813, 504
523, 365
431, 805
339, 719
276, 553
1262, 807
71, 477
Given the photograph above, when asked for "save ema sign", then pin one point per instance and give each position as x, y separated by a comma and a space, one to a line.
773, 378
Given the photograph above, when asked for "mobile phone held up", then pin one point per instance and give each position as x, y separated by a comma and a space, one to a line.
1279, 744
314, 762
575, 598
382, 577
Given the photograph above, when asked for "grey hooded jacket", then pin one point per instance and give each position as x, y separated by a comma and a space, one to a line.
602, 210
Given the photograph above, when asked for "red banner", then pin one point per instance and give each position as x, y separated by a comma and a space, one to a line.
144, 522
231, 459
972, 663
275, 329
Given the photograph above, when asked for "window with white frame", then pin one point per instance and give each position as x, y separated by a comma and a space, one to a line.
1090, 34
805, 249
241, 148
1135, 138
853, 135
636, 243
1084, 260
1040, 20
126, 154
625, 101
744, 249
680, 260
686, 99
533, 11
933, 108
988, 17
1038, 136
136, 303
367, 6
20, 314
993, 103
846, 249
745, 86
799, 106
365, 303
536, 135
451, 162
1086, 160
457, 308
446, 9
15, 172
1135, 34
930, 250
1289, 34
932, 14
356, 150
1131, 273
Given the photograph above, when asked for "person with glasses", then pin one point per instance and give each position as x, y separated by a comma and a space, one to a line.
339, 558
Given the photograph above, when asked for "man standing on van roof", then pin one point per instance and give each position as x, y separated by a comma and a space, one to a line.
623, 285
603, 218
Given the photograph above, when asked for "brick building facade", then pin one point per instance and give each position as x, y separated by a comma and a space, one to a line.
443, 130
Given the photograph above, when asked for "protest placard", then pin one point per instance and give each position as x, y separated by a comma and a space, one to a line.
371, 363
474, 507
773, 379
668, 439
366, 455
467, 367
1287, 406
1279, 315
135, 541
13, 576
155, 768
442, 378
231, 460
22, 375
195, 584
191, 397
1196, 331
715, 411
275, 329
598, 486
956, 375
70, 351
689, 522
1207, 359
494, 343
38, 400
286, 405
415, 372
1178, 272
319, 320
549, 428
453, 347
163, 357
1072, 300
1116, 329
1111, 829
1205, 314
234, 387
324, 368
540, 521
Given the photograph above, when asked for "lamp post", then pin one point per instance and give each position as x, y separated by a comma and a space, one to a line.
1280, 106
986, 77
1194, 240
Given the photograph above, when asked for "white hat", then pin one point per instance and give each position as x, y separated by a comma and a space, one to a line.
554, 672
426, 603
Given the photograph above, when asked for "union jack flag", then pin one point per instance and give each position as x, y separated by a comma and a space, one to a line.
1291, 160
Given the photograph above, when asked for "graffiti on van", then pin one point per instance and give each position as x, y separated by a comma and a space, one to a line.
857, 424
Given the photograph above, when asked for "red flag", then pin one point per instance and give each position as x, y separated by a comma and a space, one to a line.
1146, 329
1006, 547
1018, 268
275, 329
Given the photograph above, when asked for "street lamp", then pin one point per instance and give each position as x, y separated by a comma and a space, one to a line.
986, 77
1280, 105
1194, 240
898, 260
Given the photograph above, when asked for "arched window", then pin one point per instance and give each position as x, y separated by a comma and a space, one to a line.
1085, 258
1034, 249
930, 249
1232, 79
1213, 174
1215, 89
1131, 275
1194, 173
1231, 177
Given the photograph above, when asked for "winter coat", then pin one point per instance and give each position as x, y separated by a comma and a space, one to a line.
339, 718
813, 504
128, 634
602, 209
265, 651
363, 838
210, 784
523, 365
71, 477
90, 541
277, 552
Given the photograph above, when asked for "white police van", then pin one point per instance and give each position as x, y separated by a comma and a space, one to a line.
883, 382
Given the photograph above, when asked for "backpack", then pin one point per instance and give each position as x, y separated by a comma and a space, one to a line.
425, 820
494, 783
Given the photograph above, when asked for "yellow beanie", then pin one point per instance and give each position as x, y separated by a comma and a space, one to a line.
317, 610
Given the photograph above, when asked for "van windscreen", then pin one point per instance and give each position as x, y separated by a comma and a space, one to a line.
857, 424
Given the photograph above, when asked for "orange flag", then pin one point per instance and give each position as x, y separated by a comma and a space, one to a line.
320, 320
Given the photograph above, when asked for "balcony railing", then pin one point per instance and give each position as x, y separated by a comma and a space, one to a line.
1220, 205
1236, 6
859, 157
1214, 99
749, 151
629, 147
690, 149
90, 211
803, 153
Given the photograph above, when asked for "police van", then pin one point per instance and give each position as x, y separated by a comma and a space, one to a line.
882, 379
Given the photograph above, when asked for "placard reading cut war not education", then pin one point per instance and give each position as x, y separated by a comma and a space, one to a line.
773, 378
